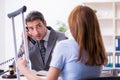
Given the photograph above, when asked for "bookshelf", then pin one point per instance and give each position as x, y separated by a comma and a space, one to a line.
108, 14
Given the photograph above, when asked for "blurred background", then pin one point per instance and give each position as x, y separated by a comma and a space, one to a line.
55, 12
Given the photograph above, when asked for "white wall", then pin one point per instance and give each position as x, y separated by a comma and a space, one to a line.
53, 10
2, 30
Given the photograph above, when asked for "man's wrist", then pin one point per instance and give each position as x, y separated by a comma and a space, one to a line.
22, 49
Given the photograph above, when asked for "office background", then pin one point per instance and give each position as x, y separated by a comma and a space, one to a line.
53, 11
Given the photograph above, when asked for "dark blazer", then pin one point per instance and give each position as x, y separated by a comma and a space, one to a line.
35, 55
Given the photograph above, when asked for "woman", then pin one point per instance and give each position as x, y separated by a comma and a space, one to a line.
77, 58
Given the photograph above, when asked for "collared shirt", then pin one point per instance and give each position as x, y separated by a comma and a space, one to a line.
46, 37
65, 58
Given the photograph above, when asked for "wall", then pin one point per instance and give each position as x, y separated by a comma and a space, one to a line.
2, 30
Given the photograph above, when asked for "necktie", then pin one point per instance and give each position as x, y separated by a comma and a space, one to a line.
42, 50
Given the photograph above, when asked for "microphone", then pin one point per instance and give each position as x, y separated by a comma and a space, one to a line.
17, 12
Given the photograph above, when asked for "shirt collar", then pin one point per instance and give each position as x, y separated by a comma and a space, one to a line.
47, 35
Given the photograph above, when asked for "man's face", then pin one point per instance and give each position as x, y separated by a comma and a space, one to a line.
37, 29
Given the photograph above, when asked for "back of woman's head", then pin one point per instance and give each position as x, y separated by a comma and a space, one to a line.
85, 29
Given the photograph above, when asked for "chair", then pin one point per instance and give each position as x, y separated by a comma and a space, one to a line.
104, 78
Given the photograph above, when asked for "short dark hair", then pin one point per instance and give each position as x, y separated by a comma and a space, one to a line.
33, 15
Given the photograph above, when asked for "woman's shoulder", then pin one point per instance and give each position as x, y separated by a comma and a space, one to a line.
67, 43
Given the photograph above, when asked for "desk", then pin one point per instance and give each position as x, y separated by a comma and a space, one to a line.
42, 73
21, 78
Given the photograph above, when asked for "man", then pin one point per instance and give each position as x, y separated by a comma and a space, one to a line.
38, 30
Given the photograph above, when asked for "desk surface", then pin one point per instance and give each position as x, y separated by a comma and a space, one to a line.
42, 74
22, 78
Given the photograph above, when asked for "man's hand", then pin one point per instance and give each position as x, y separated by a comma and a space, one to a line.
22, 64
28, 41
